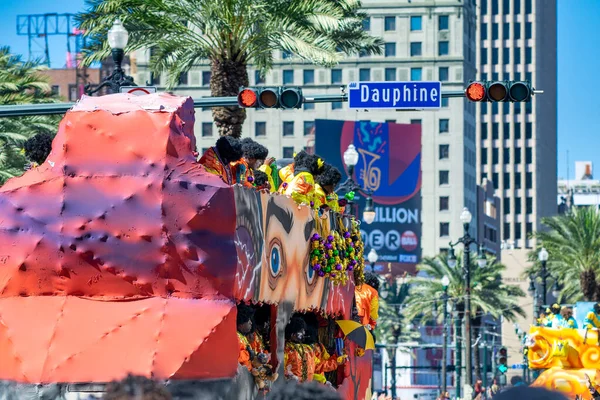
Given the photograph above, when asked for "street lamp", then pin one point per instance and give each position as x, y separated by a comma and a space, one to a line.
467, 241
350, 160
445, 284
372, 257
543, 257
117, 40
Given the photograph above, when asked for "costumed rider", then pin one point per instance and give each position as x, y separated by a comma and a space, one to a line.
37, 149
217, 159
567, 320
327, 180
299, 359
254, 156
302, 186
592, 319
262, 181
259, 338
324, 362
367, 301
244, 327
554, 319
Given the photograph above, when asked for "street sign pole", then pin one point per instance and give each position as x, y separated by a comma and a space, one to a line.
22, 110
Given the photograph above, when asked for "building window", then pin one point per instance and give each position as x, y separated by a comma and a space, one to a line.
390, 49
207, 129
506, 205
517, 7
415, 121
444, 203
517, 129
484, 59
506, 55
506, 156
415, 49
288, 76
517, 180
55, 90
183, 78
337, 105
506, 31
390, 74
445, 102
309, 76
444, 229
443, 22
416, 74
483, 32
309, 128
517, 155
288, 128
444, 151
494, 31
484, 130
444, 177
528, 58
517, 230
364, 74
416, 23
517, 205
517, 54
517, 31
443, 74
260, 129
258, 78
506, 180
528, 8
528, 156
288, 152
495, 7
444, 125
528, 130
528, 229
484, 155
506, 130
494, 130
529, 205
443, 48
367, 24
494, 57
390, 23
495, 155
309, 106
528, 33
286, 55
336, 76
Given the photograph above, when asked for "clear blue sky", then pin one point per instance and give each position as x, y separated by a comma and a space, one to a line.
578, 66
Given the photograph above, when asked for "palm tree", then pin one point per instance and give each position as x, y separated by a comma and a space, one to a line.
230, 35
489, 295
21, 83
573, 243
392, 323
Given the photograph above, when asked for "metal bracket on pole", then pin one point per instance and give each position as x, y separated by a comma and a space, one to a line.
22, 110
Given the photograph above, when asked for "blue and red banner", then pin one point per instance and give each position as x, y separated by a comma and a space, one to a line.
389, 166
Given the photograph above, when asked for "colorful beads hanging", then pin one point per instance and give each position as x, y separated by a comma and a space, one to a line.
359, 254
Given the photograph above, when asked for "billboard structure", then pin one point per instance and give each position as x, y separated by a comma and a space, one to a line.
389, 166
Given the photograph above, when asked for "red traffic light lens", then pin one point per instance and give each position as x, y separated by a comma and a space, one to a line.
475, 91
497, 92
247, 98
502, 352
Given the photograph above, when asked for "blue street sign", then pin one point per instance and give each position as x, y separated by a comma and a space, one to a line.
396, 95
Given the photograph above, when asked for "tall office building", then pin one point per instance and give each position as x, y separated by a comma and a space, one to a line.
517, 142
424, 40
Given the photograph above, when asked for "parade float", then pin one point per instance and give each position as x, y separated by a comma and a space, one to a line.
121, 254
564, 356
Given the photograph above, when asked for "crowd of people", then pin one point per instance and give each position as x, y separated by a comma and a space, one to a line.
562, 317
308, 180
312, 343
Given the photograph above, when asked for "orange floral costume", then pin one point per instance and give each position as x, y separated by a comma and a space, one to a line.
244, 355
323, 362
367, 304
215, 165
302, 188
241, 171
299, 360
257, 344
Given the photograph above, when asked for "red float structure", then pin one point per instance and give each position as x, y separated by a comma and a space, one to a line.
121, 254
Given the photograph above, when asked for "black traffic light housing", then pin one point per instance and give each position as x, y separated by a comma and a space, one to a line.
270, 97
499, 91
502, 360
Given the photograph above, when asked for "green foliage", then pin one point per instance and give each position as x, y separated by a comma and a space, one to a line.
392, 324
489, 295
21, 83
185, 32
573, 244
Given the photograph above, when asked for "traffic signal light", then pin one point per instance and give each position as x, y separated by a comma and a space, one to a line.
270, 97
500, 91
502, 360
